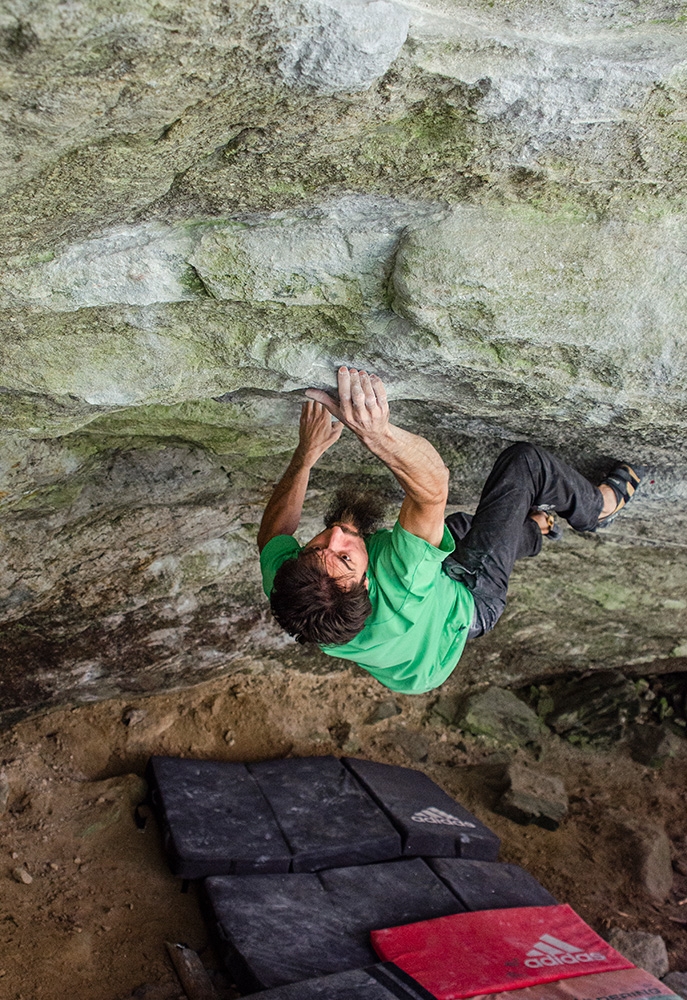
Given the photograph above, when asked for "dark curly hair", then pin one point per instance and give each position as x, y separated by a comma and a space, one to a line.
313, 606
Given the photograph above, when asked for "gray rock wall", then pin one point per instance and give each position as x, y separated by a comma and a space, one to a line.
208, 207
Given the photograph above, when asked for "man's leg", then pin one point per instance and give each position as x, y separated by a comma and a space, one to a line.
524, 476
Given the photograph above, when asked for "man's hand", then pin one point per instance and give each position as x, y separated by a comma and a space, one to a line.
362, 405
317, 433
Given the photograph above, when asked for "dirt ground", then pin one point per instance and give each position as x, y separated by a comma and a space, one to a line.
93, 921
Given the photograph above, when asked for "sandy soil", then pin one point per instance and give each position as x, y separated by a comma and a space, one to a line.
92, 922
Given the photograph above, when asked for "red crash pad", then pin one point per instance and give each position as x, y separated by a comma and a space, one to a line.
492, 951
625, 984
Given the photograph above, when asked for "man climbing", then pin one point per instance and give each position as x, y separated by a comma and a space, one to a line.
402, 603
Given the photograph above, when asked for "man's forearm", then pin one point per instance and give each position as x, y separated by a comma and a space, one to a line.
415, 463
283, 511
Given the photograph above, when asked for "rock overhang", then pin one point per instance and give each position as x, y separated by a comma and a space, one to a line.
490, 214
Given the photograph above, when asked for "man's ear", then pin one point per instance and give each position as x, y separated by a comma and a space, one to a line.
367, 583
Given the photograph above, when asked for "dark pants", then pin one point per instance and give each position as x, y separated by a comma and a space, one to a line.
488, 543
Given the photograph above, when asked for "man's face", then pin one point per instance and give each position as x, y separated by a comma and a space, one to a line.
342, 551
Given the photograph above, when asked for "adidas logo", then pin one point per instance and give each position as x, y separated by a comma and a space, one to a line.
432, 815
550, 951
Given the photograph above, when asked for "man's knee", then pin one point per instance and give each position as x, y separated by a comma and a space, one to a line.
522, 450
523, 455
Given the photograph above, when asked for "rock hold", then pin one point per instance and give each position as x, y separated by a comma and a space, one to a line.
648, 951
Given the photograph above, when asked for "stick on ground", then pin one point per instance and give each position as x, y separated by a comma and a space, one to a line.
191, 972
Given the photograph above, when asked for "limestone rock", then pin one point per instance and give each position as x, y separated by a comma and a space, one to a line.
520, 68
499, 714
339, 45
533, 797
208, 207
677, 982
648, 951
134, 265
340, 253
492, 284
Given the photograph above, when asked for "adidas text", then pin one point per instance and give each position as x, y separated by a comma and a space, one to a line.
552, 951
583, 956
433, 815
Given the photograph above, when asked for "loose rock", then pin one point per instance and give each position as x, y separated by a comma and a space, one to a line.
677, 982
498, 713
384, 710
4, 792
648, 951
647, 848
533, 797
21, 875
413, 744
652, 745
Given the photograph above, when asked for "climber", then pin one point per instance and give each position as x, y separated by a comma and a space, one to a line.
402, 603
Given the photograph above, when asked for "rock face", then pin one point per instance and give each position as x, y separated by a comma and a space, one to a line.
208, 207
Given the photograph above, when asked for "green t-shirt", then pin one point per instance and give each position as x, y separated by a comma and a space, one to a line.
420, 617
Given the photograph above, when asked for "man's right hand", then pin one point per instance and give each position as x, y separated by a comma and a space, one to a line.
362, 405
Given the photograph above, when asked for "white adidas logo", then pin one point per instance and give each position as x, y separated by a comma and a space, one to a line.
550, 951
432, 815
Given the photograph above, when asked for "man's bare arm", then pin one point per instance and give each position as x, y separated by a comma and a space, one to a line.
416, 464
283, 512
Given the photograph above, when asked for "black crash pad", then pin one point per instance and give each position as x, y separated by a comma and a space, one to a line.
214, 818
325, 816
301, 814
380, 982
430, 821
279, 929
487, 885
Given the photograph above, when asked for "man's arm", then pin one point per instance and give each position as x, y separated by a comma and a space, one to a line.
416, 464
283, 511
